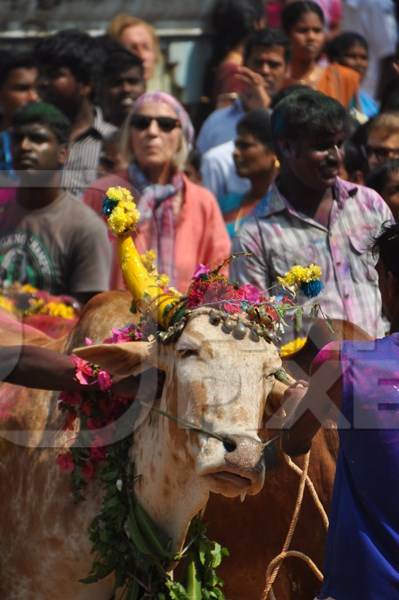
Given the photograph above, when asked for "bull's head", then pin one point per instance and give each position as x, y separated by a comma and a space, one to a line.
217, 387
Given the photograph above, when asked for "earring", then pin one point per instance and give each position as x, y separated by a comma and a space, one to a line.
277, 164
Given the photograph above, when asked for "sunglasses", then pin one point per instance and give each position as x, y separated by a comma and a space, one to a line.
142, 122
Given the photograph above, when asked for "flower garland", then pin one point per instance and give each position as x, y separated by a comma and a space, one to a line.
125, 540
25, 300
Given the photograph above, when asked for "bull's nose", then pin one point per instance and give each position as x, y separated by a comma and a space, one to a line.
242, 451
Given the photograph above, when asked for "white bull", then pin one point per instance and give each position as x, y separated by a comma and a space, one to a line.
212, 380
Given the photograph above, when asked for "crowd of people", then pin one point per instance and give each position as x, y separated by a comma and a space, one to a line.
297, 162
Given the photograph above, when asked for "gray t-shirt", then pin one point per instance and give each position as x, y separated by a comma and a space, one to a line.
62, 248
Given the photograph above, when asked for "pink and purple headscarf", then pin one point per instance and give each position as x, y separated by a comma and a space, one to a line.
181, 113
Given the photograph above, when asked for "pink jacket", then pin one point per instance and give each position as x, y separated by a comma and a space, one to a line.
201, 235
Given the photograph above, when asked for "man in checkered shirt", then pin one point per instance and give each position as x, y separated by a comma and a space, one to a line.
312, 216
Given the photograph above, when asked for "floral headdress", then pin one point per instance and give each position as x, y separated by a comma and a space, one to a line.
230, 302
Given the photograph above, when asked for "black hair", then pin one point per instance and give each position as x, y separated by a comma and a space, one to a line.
341, 44
117, 60
293, 13
45, 114
267, 38
232, 21
257, 122
70, 48
307, 113
378, 178
390, 97
354, 159
10, 61
290, 89
386, 246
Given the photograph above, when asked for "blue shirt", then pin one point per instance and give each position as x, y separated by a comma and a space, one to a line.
219, 172
362, 558
220, 127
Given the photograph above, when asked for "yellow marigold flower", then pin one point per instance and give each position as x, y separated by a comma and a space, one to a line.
28, 289
119, 194
292, 347
123, 217
298, 275
58, 309
6, 304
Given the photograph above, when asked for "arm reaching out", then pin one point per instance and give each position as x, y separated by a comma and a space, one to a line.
44, 369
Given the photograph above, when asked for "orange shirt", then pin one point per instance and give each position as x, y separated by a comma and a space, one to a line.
337, 81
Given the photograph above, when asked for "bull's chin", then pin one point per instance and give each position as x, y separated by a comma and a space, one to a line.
233, 485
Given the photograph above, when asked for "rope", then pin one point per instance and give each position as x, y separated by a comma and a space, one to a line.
275, 564
311, 489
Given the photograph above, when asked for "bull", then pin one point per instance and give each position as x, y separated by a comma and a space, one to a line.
218, 383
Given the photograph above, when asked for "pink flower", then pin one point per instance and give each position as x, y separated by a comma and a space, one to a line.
65, 462
201, 270
251, 294
104, 380
88, 341
83, 370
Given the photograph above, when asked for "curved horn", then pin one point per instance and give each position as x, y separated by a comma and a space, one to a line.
122, 216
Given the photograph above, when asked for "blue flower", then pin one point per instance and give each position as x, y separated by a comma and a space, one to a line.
108, 206
312, 288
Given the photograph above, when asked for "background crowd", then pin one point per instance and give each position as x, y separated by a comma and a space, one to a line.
301, 110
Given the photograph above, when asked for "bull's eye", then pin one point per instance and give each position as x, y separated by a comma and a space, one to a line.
187, 352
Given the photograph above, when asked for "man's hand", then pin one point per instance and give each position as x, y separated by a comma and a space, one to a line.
291, 399
255, 95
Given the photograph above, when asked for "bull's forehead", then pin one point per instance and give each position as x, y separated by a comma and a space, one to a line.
199, 333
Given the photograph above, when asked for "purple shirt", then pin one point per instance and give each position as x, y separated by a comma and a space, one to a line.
362, 556
283, 237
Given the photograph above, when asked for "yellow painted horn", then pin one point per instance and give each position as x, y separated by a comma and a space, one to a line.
122, 216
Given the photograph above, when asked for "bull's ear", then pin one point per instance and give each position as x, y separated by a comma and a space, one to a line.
121, 360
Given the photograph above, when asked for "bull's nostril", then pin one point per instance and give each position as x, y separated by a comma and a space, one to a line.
229, 444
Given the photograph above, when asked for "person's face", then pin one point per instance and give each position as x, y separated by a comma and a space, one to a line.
19, 88
120, 92
251, 157
36, 149
356, 58
152, 145
111, 159
137, 39
315, 161
270, 63
382, 146
390, 193
60, 87
307, 37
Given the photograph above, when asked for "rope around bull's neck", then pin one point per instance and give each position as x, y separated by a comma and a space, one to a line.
274, 565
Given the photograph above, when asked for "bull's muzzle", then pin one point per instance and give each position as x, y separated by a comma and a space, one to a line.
243, 469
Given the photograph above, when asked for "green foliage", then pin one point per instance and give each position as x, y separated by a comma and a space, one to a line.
126, 541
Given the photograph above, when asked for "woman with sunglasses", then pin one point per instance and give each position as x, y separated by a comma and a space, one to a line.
180, 220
